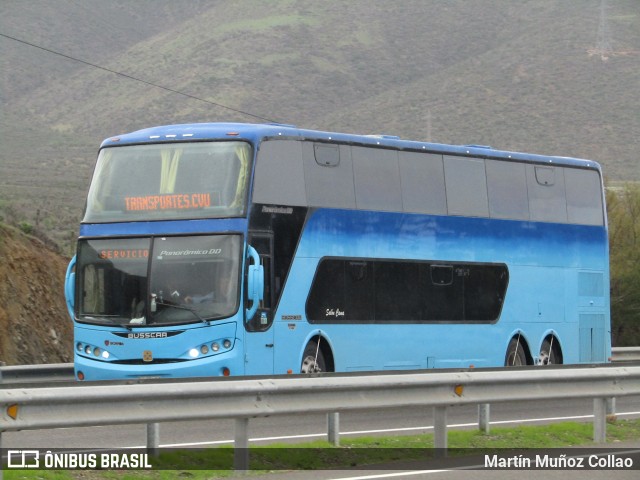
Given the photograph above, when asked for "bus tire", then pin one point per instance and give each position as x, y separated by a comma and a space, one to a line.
311, 363
550, 352
516, 355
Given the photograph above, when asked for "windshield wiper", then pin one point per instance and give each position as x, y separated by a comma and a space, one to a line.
108, 319
182, 307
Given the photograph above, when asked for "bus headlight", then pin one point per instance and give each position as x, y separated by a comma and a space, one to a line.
91, 350
212, 348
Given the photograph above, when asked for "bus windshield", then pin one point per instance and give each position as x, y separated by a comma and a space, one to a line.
161, 280
169, 181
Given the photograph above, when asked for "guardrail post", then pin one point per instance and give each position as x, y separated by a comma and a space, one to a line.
611, 406
333, 428
153, 439
440, 430
484, 410
600, 420
241, 446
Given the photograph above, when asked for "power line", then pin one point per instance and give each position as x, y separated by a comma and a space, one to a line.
130, 77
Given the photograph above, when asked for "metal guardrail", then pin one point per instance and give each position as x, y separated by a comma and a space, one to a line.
76, 405
626, 354
50, 372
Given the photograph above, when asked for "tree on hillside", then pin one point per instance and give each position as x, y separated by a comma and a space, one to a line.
623, 207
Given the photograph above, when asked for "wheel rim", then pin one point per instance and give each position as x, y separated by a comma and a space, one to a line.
516, 355
545, 358
310, 365
549, 353
515, 360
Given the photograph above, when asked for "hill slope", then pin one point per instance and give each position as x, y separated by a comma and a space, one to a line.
514, 75
34, 321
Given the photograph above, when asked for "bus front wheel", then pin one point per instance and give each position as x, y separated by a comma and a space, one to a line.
516, 355
313, 359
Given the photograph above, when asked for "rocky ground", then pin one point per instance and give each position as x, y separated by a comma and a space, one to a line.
34, 324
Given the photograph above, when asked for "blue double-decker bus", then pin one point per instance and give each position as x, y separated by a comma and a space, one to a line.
237, 249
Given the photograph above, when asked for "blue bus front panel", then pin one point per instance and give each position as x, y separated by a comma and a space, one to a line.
105, 353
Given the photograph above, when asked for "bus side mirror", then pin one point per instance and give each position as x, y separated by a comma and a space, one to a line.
255, 282
70, 287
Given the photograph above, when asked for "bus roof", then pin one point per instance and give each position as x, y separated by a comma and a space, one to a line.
257, 132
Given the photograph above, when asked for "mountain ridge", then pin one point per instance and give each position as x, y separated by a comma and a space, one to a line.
517, 76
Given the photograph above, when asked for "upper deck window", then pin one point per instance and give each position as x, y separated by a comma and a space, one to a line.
169, 181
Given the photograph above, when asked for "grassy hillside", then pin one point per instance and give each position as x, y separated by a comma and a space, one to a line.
514, 75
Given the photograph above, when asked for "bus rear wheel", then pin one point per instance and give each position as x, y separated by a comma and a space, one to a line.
313, 359
550, 353
516, 356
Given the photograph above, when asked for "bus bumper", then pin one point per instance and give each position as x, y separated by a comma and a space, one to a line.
217, 366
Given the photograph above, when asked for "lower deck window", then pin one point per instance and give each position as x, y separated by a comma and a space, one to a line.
384, 291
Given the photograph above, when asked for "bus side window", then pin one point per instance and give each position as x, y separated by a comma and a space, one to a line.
547, 196
358, 291
441, 275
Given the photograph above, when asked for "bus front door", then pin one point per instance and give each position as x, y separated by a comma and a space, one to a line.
259, 344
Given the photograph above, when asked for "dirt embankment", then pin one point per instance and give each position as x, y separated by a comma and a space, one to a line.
34, 324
